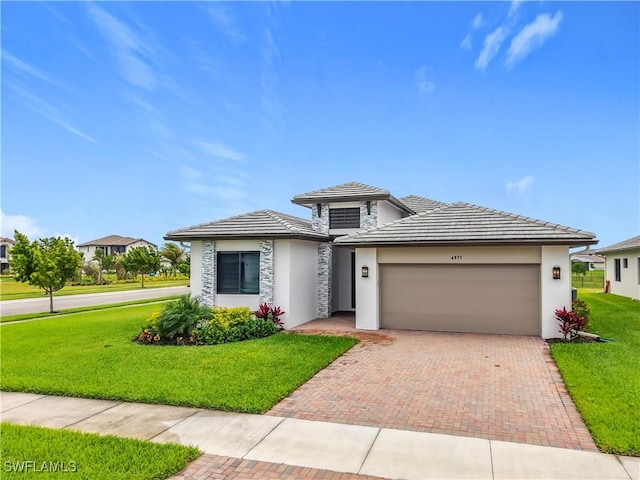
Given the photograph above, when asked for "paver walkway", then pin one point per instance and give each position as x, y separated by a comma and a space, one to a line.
496, 387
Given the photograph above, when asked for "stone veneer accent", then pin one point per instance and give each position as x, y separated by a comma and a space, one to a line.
266, 271
209, 272
325, 251
320, 224
368, 221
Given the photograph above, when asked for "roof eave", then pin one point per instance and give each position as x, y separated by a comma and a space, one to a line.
471, 243
310, 202
190, 237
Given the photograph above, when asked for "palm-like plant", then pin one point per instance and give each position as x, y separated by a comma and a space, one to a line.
173, 254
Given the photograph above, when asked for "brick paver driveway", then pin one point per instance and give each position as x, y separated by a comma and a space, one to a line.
498, 387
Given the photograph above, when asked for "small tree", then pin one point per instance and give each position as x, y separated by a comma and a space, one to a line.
173, 254
579, 269
109, 263
184, 267
98, 257
141, 261
47, 263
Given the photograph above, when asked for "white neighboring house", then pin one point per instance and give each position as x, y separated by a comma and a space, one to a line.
591, 261
111, 245
622, 269
5, 246
409, 263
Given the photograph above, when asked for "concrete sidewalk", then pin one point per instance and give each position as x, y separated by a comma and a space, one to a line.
380, 452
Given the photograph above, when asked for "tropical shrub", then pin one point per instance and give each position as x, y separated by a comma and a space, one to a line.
581, 309
225, 317
180, 318
267, 312
570, 323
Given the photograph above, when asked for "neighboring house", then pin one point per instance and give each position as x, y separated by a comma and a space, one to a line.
111, 245
590, 261
622, 269
409, 263
5, 246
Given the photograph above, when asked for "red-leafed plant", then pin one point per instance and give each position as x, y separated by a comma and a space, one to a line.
570, 323
267, 312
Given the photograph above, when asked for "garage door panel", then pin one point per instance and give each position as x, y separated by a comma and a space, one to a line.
461, 298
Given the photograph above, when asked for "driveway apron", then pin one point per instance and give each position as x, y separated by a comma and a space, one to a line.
496, 387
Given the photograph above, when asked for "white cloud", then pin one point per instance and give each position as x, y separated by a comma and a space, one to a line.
424, 81
222, 18
25, 225
466, 42
532, 36
478, 21
520, 187
221, 151
127, 47
23, 68
491, 46
48, 111
513, 8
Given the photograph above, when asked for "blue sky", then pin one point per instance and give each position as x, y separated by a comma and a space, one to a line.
137, 118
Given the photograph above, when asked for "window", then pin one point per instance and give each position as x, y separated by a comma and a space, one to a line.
3, 251
616, 264
625, 263
239, 272
344, 218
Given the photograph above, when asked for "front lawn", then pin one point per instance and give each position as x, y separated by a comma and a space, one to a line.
35, 452
604, 378
92, 355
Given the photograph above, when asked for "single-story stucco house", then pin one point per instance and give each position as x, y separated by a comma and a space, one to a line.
590, 261
622, 267
408, 263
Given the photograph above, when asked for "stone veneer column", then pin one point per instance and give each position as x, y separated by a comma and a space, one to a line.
325, 251
209, 272
320, 223
266, 271
368, 221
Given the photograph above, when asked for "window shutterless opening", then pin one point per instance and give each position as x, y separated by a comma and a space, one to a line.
238, 273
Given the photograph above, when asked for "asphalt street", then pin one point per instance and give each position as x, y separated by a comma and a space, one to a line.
37, 305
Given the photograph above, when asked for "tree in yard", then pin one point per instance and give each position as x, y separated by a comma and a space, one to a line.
141, 261
184, 267
173, 254
98, 257
47, 263
109, 263
579, 268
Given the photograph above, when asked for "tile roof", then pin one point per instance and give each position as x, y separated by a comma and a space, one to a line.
421, 204
463, 223
113, 240
259, 224
588, 258
7, 240
633, 242
346, 192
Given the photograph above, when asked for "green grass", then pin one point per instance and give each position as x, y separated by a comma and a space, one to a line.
88, 308
12, 290
86, 456
592, 279
92, 355
604, 378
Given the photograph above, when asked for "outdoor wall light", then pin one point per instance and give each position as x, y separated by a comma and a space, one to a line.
365, 271
556, 272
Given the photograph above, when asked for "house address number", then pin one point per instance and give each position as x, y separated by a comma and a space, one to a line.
456, 257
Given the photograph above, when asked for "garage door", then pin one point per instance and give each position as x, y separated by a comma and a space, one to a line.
461, 298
